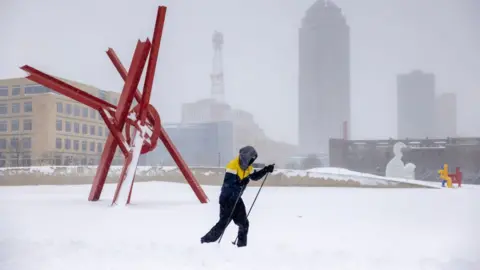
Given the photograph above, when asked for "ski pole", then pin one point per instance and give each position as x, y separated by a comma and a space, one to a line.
254, 200
231, 214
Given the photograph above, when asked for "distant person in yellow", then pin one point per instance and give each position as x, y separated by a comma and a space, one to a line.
238, 173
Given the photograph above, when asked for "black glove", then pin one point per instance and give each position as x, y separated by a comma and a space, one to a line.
269, 168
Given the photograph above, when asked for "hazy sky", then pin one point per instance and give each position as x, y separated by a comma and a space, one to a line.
69, 39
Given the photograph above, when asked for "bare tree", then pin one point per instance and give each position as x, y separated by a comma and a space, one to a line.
15, 149
3, 159
46, 158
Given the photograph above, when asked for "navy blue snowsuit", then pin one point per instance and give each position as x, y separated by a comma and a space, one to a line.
238, 174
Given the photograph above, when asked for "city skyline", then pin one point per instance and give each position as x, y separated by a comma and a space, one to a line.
387, 39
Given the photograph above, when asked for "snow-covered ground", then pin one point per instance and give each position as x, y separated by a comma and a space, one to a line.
56, 228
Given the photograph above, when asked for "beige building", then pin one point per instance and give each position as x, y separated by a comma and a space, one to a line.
39, 126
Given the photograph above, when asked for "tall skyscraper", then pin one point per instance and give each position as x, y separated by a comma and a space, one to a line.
446, 115
415, 105
324, 76
217, 68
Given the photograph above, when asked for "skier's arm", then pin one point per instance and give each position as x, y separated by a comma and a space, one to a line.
255, 176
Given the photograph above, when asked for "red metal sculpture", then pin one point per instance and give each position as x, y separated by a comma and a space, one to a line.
143, 117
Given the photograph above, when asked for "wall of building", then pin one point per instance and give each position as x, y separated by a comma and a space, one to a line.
205, 144
428, 155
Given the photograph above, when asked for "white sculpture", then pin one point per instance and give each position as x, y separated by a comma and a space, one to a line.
410, 171
396, 168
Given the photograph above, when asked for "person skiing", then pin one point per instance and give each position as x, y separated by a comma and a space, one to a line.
238, 174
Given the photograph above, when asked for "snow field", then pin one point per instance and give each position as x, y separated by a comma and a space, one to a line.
55, 227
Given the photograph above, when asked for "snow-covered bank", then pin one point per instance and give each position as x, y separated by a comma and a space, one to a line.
53, 175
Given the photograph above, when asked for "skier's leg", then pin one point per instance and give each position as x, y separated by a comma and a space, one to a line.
217, 230
241, 220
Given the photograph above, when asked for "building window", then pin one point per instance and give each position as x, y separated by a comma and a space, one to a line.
76, 145
103, 95
27, 143
59, 107
76, 128
3, 108
15, 107
107, 131
27, 106
84, 129
27, 124
100, 131
84, 146
3, 91
3, 143
16, 90
92, 130
68, 144
59, 125
85, 112
68, 109
36, 89
14, 143
92, 113
76, 110
3, 125
99, 147
58, 143
68, 126
92, 146
15, 125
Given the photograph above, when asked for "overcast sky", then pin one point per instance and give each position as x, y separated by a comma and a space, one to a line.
69, 39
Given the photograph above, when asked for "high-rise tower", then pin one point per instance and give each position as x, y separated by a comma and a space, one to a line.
416, 105
216, 77
324, 76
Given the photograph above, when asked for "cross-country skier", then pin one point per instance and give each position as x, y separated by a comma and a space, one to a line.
238, 173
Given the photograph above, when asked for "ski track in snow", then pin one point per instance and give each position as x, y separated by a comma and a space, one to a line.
56, 228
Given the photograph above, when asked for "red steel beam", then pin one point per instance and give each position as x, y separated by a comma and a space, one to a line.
152, 63
121, 70
151, 66
183, 166
117, 134
123, 73
131, 83
133, 78
66, 89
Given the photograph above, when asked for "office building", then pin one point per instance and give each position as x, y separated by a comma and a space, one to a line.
324, 77
446, 115
416, 105
39, 126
